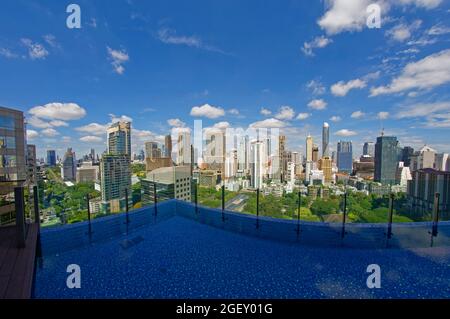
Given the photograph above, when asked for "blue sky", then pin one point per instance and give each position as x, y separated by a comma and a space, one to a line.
288, 64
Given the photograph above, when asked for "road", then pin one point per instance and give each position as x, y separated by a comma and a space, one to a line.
237, 203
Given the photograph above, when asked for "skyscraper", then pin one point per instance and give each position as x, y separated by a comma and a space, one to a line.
69, 166
152, 150
442, 162
184, 148
369, 149
231, 164
309, 148
115, 179
315, 153
425, 158
92, 155
214, 156
326, 140
51, 158
283, 157
326, 166
119, 138
13, 170
421, 192
407, 154
243, 155
115, 167
345, 157
387, 153
257, 156
31, 165
169, 183
168, 145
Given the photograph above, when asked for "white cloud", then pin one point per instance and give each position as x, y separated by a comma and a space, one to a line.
233, 111
303, 116
91, 139
316, 87
344, 15
430, 72
427, 4
93, 128
357, 115
49, 132
269, 123
403, 32
423, 109
7, 53
169, 36
122, 118
351, 15
335, 118
51, 40
383, 115
59, 111
266, 112
37, 122
422, 41
36, 51
409, 51
285, 113
58, 123
436, 115
208, 111
218, 127
176, 123
438, 29
438, 120
345, 132
316, 43
142, 134
32, 134
92, 23
222, 125
318, 104
118, 58
341, 88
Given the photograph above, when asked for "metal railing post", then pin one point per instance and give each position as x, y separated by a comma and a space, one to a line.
344, 217
126, 206
390, 216
196, 198
155, 199
89, 214
223, 203
298, 213
20, 216
257, 208
37, 215
434, 231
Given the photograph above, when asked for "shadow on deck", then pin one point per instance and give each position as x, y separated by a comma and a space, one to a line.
17, 264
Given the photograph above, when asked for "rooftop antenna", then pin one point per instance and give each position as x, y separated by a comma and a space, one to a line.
382, 127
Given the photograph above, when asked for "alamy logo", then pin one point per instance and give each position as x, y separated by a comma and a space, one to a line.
373, 16
374, 279
74, 19
74, 279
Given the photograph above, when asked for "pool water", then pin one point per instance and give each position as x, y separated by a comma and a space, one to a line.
182, 258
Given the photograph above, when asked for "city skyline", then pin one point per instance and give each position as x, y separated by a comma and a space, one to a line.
282, 78
208, 150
